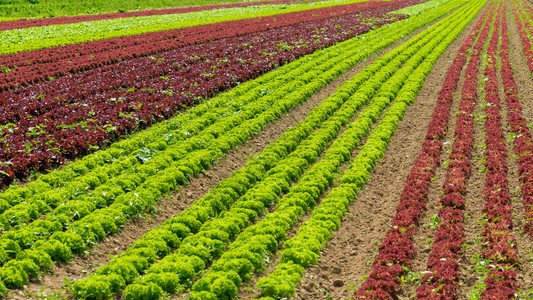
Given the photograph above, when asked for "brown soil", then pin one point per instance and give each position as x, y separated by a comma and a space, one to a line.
349, 254
474, 218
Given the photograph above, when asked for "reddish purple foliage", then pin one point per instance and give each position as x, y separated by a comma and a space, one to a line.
498, 235
38, 65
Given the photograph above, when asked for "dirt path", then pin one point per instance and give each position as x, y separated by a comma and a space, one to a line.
349, 254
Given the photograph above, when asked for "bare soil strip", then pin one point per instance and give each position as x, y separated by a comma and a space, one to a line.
349, 254
473, 215
474, 219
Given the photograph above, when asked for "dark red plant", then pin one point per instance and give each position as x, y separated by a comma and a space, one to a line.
30, 67
497, 236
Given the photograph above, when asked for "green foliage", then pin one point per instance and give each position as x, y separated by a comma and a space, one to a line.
203, 295
26, 266
94, 287
148, 291
149, 253
169, 282
13, 277
282, 281
223, 284
242, 266
56, 249
183, 270
124, 268
160, 247
139, 262
167, 236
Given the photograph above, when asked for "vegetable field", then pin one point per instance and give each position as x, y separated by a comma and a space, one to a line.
337, 149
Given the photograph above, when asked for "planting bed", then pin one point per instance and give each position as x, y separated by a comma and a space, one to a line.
358, 150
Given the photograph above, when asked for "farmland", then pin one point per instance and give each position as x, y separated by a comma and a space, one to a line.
338, 149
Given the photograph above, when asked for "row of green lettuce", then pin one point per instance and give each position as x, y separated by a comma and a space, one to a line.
304, 249
74, 208
175, 272
20, 205
32, 38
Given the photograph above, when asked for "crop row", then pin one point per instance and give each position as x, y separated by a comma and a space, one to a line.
501, 281
73, 115
24, 9
25, 23
396, 251
128, 193
87, 219
30, 67
523, 139
443, 265
214, 109
419, 8
26, 39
